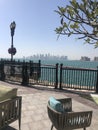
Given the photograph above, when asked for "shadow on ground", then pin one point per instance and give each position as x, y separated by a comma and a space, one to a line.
8, 128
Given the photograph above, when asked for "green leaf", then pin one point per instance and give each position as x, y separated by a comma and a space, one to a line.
58, 12
96, 44
70, 11
75, 25
82, 7
88, 40
96, 11
62, 9
65, 25
59, 30
73, 3
72, 26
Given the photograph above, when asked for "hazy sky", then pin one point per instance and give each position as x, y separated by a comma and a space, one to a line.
34, 33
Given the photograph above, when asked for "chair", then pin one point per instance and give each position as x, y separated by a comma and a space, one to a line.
10, 106
10, 111
68, 120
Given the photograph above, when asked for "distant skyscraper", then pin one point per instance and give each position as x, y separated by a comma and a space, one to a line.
85, 58
95, 58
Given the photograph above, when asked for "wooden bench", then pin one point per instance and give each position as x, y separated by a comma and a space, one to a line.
69, 120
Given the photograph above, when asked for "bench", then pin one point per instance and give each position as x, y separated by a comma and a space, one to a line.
68, 120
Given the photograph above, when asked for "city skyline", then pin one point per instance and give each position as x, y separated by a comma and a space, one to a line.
57, 57
34, 33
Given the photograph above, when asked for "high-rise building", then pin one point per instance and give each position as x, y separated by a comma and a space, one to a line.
85, 58
95, 58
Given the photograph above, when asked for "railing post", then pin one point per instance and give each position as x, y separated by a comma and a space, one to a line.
39, 69
31, 68
2, 75
56, 82
61, 65
97, 81
25, 77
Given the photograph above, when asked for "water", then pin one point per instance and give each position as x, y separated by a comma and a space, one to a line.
73, 63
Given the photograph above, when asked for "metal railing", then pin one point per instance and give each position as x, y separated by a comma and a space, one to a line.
18, 72
78, 78
50, 75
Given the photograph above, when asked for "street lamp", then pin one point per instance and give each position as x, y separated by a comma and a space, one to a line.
12, 50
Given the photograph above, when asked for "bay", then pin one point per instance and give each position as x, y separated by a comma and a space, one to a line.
73, 63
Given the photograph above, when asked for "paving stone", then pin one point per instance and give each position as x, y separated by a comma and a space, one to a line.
34, 108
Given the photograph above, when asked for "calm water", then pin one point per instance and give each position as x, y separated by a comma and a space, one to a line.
73, 63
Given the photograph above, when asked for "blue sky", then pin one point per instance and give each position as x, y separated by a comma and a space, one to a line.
34, 33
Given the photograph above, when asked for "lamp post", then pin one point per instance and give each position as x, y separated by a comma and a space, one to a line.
12, 50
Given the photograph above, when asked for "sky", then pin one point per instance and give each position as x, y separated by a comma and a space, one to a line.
36, 21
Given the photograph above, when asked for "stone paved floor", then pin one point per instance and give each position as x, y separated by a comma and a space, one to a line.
34, 107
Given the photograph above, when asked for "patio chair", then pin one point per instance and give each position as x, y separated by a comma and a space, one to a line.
10, 106
68, 120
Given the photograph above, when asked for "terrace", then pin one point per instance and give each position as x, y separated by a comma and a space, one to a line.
34, 106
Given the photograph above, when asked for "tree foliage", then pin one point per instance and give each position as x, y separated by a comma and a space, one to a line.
80, 18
